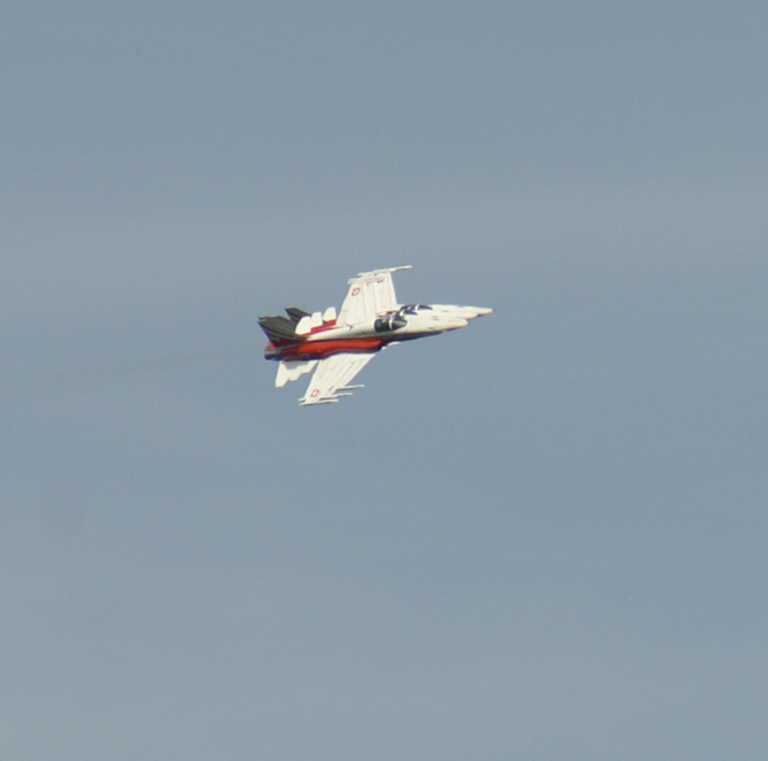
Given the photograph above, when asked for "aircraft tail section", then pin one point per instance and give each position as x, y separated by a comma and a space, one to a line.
295, 313
291, 371
281, 329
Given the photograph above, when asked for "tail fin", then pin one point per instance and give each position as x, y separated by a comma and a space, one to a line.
295, 313
281, 329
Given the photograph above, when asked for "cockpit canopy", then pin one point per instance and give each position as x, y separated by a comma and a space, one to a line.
413, 308
395, 320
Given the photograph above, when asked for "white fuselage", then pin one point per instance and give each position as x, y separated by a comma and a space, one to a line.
406, 322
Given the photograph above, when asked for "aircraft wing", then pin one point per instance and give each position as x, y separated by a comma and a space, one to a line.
331, 377
369, 293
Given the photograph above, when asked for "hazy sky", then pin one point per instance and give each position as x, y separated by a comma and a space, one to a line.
541, 537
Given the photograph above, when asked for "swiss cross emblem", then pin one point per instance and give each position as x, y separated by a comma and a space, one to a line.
355, 291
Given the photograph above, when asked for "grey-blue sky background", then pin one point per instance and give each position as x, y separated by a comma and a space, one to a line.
539, 537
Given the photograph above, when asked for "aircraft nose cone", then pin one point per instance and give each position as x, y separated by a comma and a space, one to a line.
469, 313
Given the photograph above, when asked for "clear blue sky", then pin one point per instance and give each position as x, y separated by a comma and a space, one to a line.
543, 536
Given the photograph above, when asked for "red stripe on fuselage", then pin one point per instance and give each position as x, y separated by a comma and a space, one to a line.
322, 328
323, 349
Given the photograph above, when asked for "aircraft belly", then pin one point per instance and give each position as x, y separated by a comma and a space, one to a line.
322, 349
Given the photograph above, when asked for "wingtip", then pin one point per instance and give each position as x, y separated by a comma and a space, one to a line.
385, 270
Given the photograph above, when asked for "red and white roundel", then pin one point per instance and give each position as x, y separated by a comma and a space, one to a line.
315, 393
355, 291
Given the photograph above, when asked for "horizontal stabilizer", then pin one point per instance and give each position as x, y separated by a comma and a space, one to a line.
291, 371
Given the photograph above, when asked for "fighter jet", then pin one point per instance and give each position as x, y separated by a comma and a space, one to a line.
337, 348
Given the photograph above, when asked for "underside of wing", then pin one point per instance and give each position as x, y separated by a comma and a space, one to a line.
370, 293
332, 377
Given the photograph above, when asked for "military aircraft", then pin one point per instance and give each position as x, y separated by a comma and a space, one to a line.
337, 348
